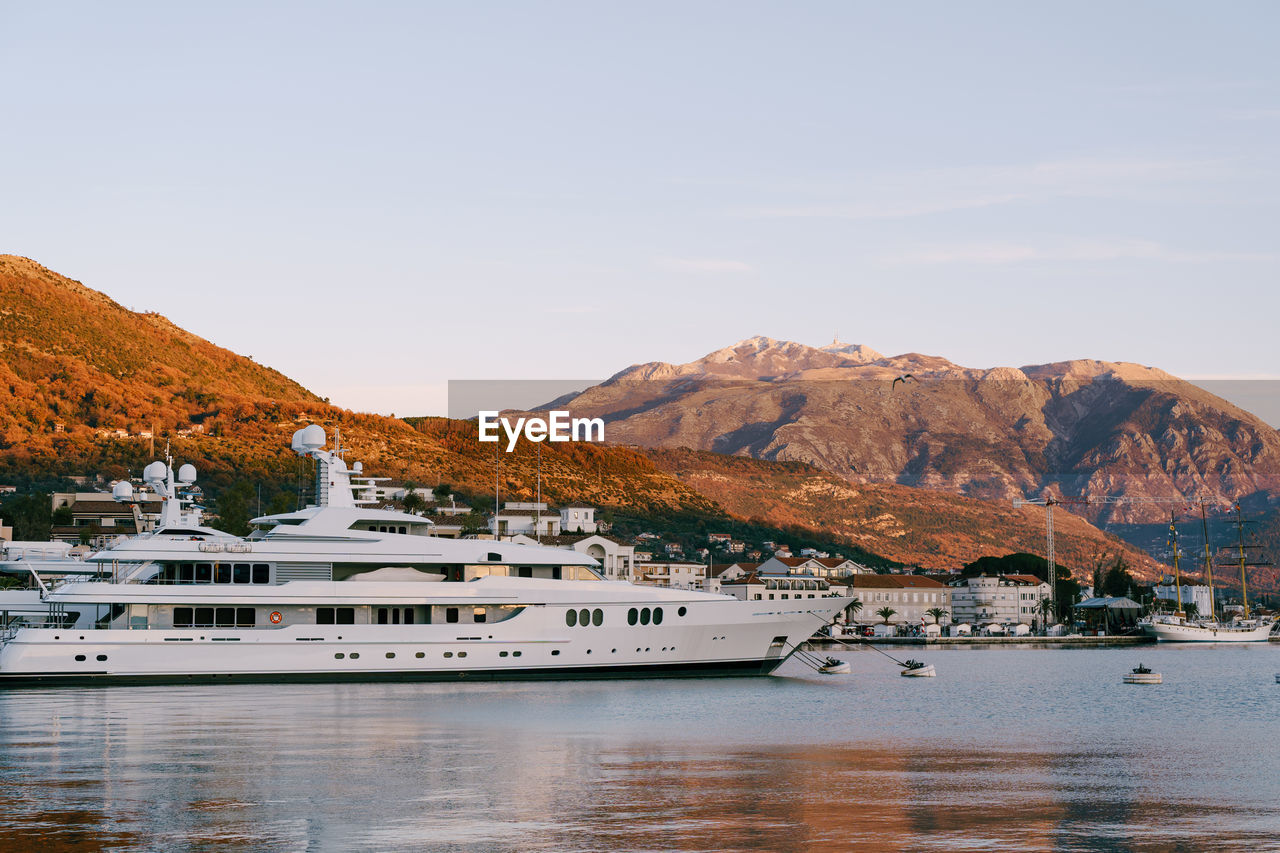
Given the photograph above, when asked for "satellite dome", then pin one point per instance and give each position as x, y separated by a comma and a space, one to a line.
122, 491
155, 472
358, 467
312, 438
296, 443
187, 473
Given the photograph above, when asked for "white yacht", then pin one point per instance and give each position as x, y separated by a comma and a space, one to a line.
343, 591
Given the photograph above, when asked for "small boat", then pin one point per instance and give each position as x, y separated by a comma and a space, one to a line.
1143, 675
1278, 678
834, 666
918, 669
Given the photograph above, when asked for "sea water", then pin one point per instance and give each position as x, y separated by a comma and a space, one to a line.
1006, 749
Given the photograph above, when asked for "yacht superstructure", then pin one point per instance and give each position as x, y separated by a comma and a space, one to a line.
345, 591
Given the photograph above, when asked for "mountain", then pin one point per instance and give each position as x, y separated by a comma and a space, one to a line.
1076, 428
87, 386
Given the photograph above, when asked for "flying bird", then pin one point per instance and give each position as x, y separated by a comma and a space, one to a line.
903, 379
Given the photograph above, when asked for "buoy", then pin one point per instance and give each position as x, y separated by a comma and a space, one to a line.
1142, 675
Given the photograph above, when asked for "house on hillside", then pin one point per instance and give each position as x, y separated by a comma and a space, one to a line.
616, 558
827, 567
909, 596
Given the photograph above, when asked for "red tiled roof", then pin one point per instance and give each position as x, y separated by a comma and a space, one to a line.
893, 582
1031, 579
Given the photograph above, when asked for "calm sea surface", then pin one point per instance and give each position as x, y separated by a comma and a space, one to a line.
1007, 749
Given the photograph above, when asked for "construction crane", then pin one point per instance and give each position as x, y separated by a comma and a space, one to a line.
1050, 502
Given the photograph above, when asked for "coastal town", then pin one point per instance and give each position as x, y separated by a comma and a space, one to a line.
990, 599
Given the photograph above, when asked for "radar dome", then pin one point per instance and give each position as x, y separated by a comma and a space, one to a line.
122, 491
187, 473
312, 438
296, 442
155, 472
358, 467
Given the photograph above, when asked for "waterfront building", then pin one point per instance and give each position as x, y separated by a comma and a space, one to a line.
762, 587
998, 600
672, 575
909, 596
827, 567
1198, 595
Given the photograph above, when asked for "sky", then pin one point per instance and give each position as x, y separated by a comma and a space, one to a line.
379, 198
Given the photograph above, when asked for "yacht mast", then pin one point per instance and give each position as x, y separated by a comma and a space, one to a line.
1177, 574
1208, 557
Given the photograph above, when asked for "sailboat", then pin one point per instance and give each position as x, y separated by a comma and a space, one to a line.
1179, 629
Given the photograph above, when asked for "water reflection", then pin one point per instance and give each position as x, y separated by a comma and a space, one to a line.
1006, 750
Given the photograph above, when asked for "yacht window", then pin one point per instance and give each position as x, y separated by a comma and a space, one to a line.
404, 529
339, 656
555, 573
204, 573
657, 615
240, 573
246, 617
571, 618
632, 616
324, 615
597, 617
479, 614
222, 573
419, 654
186, 573
525, 571
494, 557
346, 616
204, 617
682, 611
182, 617
82, 657
395, 616
261, 573
644, 616
373, 528
451, 614
382, 616
448, 654
225, 617
584, 616
408, 616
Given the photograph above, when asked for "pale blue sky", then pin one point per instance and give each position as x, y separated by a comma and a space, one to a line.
378, 198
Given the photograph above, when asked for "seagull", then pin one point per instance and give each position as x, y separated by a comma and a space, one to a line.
903, 379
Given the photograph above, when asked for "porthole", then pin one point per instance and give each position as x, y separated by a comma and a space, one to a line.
555, 651
102, 657
515, 654
502, 654
390, 655
682, 611
588, 651
448, 654
646, 649
81, 658
339, 656
645, 615
571, 618
420, 654
355, 655
632, 616
597, 617
462, 654
584, 617
657, 615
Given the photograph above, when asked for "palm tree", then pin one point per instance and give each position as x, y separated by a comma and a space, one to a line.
937, 613
886, 613
1046, 610
1191, 609
852, 609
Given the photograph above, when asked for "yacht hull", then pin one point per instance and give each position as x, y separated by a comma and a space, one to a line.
1170, 632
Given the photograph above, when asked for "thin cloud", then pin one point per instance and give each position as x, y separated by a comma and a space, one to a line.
703, 265
936, 191
1089, 251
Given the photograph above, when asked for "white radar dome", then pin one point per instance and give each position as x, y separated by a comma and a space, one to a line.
187, 473
122, 491
312, 438
358, 467
296, 442
155, 472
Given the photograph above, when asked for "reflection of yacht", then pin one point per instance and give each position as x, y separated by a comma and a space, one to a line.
341, 591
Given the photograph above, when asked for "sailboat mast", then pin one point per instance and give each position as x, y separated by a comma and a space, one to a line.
1244, 591
1208, 558
1177, 574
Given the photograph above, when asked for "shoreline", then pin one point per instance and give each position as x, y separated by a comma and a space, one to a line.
1068, 642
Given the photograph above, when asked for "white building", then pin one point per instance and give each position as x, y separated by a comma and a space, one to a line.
673, 575
827, 567
998, 600
755, 587
910, 597
525, 517
578, 518
1199, 595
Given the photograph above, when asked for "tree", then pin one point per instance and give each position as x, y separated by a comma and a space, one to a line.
233, 509
412, 501
1191, 609
937, 613
852, 609
886, 613
1047, 608
1117, 581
